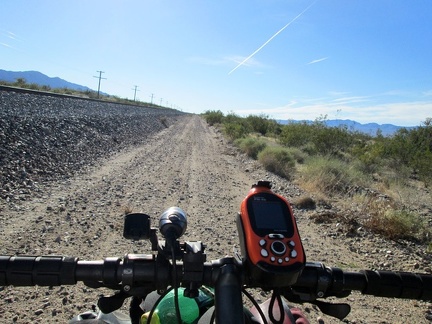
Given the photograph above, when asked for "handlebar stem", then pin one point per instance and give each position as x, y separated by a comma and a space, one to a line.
228, 296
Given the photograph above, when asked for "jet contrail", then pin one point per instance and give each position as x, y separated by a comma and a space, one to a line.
318, 60
269, 40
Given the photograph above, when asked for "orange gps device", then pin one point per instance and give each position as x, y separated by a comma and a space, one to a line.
272, 251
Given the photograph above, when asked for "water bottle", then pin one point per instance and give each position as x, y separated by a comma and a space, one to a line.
165, 312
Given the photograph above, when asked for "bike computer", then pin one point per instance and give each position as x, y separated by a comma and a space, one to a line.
272, 251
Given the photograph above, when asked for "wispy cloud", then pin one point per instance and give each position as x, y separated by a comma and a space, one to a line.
338, 93
317, 61
11, 35
9, 39
350, 100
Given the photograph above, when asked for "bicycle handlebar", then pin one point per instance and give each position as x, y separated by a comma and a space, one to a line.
133, 271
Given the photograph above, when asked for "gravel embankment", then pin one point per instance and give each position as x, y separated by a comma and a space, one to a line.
43, 138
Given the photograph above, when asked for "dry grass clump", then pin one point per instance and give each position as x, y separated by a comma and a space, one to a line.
251, 146
278, 160
331, 175
305, 202
395, 223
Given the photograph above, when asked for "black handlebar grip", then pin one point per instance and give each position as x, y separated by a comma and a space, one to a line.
37, 270
398, 285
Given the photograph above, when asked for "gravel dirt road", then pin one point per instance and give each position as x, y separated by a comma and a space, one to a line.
189, 165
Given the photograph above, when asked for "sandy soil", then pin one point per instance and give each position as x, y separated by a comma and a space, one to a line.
189, 165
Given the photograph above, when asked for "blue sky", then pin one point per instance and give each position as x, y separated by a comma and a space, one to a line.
366, 60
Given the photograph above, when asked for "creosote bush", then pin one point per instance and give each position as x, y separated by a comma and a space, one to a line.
213, 117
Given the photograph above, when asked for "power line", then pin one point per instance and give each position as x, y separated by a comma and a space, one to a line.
99, 77
135, 91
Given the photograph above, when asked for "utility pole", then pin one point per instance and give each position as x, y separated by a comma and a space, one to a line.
151, 100
135, 92
161, 102
99, 77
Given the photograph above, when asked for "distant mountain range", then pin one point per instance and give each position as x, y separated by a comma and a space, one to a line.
351, 125
40, 79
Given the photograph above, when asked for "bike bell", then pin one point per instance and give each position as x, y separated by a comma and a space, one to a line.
166, 313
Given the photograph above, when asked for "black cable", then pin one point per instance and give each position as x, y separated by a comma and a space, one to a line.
156, 304
254, 302
174, 287
276, 297
176, 300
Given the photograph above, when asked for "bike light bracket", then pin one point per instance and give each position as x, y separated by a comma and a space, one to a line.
193, 267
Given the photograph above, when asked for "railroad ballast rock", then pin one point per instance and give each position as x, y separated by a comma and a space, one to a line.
45, 138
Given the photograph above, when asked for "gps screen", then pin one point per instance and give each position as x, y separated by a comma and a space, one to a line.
271, 216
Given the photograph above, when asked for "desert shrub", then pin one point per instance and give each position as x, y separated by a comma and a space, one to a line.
296, 134
412, 148
234, 131
261, 124
20, 82
273, 128
331, 140
331, 175
277, 160
251, 146
233, 118
298, 154
309, 149
213, 117
369, 153
422, 164
399, 148
235, 126
318, 137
